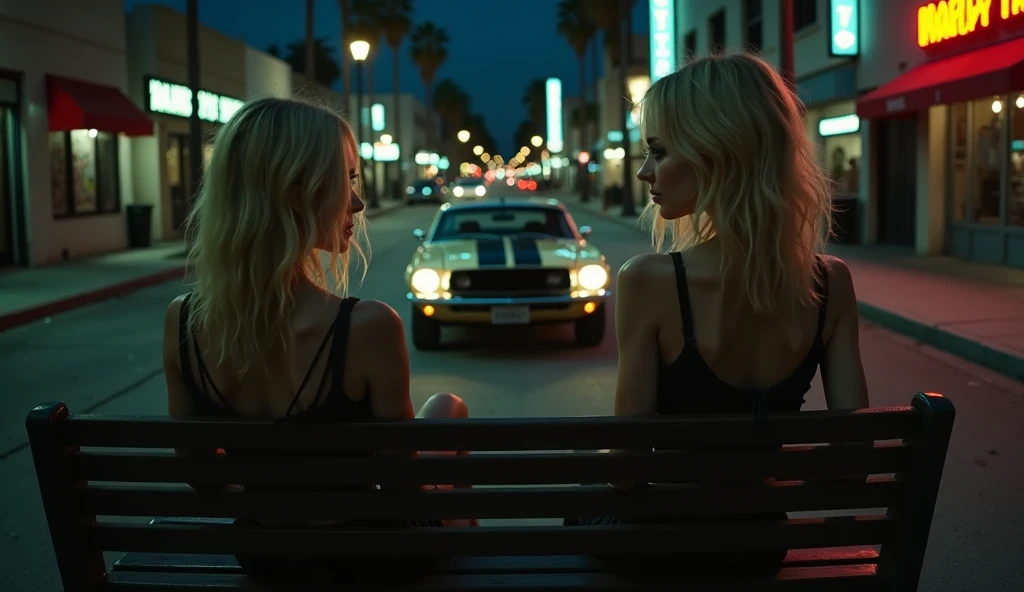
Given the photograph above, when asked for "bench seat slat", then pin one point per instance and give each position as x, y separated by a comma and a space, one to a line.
730, 431
493, 541
811, 462
505, 502
849, 578
226, 564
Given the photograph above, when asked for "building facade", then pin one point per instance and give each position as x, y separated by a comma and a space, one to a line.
392, 137
230, 73
65, 129
945, 106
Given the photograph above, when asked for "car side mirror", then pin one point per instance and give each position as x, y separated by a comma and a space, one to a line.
419, 234
586, 231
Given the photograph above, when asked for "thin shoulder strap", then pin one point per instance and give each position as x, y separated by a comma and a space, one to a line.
312, 365
684, 298
339, 348
822, 283
186, 367
206, 383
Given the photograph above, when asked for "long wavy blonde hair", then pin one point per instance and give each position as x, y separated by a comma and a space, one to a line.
276, 187
761, 190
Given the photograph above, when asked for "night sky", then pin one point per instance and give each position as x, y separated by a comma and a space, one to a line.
495, 48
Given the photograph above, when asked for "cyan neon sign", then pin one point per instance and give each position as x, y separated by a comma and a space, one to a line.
663, 38
844, 28
553, 90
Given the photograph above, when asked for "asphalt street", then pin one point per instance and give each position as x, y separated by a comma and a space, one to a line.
105, 358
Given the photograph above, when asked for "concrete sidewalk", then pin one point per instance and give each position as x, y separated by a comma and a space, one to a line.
972, 310
31, 294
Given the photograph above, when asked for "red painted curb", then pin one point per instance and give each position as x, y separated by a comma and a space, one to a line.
28, 315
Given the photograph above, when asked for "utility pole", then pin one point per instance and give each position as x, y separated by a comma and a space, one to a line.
310, 68
786, 60
625, 53
195, 130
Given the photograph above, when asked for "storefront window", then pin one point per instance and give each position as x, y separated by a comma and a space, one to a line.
989, 118
91, 185
959, 173
1015, 199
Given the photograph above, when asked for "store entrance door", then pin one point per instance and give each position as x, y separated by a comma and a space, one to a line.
7, 203
178, 178
897, 182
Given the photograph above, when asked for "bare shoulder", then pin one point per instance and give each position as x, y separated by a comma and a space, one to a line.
373, 317
171, 328
646, 266
173, 312
840, 281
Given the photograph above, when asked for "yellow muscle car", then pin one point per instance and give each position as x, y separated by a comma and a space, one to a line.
506, 262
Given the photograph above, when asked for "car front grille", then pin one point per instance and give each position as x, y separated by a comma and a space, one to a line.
511, 282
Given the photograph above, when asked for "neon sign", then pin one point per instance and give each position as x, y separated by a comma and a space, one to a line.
950, 19
844, 28
553, 92
663, 38
169, 98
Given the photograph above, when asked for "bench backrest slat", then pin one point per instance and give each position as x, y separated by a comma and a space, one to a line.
496, 434
523, 468
498, 541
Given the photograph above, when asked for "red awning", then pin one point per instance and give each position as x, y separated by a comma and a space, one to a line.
993, 70
76, 104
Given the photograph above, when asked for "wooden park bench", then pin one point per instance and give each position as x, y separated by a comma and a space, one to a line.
104, 479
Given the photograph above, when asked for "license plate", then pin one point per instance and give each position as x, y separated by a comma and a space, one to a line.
510, 315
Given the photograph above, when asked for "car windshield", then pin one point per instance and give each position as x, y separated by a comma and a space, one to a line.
483, 223
469, 181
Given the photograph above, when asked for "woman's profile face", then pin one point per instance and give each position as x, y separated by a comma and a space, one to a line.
672, 181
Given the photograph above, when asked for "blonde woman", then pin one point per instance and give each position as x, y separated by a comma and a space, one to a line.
265, 333
744, 308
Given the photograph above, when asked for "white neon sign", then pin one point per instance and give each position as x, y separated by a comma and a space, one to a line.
169, 98
663, 38
837, 126
377, 117
553, 89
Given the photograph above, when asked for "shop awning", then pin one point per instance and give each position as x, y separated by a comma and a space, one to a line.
76, 104
993, 70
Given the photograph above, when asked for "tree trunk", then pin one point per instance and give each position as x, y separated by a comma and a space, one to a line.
396, 113
582, 177
625, 41
374, 190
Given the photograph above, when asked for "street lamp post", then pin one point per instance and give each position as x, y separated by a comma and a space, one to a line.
360, 50
786, 61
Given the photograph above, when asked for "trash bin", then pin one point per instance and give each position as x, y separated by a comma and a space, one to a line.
140, 221
845, 218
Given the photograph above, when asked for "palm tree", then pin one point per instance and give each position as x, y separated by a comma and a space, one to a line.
310, 56
451, 103
578, 28
327, 71
429, 50
395, 22
346, 77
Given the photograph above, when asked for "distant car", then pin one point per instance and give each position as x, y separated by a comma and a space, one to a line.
506, 262
469, 188
425, 190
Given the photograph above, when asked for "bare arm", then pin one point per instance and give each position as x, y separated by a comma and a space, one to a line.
842, 372
637, 336
178, 402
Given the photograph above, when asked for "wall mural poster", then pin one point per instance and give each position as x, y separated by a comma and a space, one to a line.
83, 164
58, 174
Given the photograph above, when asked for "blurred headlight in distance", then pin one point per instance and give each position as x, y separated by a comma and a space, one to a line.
426, 281
457, 191
480, 190
590, 277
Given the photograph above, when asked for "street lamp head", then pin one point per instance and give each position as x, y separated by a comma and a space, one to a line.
536, 141
478, 150
360, 50
464, 136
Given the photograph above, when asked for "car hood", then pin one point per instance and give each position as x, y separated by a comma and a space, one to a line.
509, 252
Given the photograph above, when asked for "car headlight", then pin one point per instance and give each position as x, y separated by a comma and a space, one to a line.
425, 281
480, 190
592, 277
457, 191
426, 191
410, 190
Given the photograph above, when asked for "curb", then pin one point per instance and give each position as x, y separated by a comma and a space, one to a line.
958, 345
62, 305
28, 315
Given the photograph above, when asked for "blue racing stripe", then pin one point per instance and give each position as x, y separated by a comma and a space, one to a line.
490, 253
525, 251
